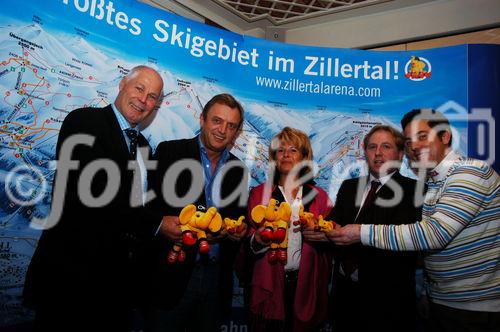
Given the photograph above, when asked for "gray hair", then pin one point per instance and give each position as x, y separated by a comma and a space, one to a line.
134, 71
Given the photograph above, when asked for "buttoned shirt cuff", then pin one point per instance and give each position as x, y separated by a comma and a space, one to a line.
365, 234
256, 252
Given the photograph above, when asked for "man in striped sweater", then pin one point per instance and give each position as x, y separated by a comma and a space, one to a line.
459, 230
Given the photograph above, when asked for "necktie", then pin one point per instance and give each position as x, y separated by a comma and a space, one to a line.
370, 198
132, 135
138, 181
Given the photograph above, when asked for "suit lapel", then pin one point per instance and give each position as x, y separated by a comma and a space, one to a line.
114, 135
384, 214
194, 148
143, 143
385, 191
358, 198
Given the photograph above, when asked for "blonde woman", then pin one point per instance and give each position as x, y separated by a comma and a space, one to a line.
291, 296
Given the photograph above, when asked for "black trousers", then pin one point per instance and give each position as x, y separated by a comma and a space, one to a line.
199, 308
447, 319
291, 278
91, 317
345, 306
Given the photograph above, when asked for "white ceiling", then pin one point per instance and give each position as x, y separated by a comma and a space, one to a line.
251, 14
279, 12
341, 23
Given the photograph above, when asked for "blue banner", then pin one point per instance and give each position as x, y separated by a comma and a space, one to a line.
59, 55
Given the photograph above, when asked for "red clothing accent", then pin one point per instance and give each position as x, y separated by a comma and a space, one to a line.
267, 285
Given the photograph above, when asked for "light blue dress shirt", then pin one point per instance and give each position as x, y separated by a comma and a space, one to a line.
211, 191
124, 125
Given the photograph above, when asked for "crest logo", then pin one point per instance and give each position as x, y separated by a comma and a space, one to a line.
418, 69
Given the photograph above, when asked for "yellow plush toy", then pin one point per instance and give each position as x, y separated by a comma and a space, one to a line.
275, 220
194, 225
325, 225
232, 225
307, 219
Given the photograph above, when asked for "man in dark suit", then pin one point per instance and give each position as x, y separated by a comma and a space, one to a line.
377, 285
83, 274
195, 294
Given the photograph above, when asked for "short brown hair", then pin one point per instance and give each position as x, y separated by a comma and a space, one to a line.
299, 139
398, 137
224, 99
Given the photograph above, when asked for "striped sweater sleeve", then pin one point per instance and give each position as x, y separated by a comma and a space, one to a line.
465, 193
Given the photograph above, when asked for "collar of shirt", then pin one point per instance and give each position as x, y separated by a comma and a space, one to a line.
440, 172
206, 161
291, 200
124, 124
207, 170
383, 180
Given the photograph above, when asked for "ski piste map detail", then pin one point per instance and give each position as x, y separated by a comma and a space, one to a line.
43, 78
55, 58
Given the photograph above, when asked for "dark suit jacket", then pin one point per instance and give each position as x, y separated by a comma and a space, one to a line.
92, 253
386, 278
170, 280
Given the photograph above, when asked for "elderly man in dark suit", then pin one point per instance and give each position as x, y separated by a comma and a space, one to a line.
195, 294
83, 275
377, 285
